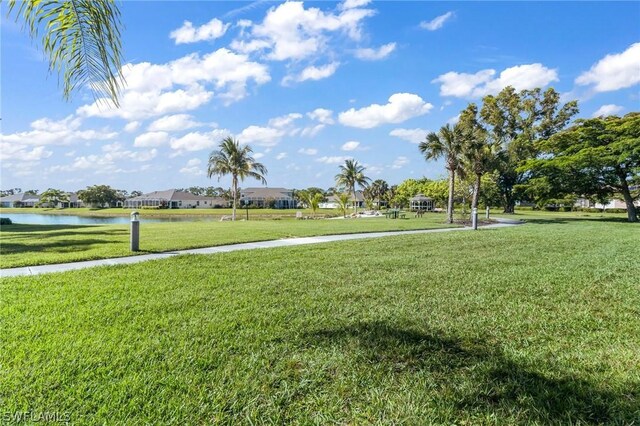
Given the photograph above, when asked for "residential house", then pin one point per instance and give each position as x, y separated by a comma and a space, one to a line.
174, 199
20, 199
278, 198
333, 201
73, 202
613, 204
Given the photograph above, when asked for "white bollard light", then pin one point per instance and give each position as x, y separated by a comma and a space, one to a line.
135, 232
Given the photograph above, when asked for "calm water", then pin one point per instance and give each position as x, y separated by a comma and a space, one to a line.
50, 219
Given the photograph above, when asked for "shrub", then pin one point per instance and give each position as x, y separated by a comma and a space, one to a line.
5, 221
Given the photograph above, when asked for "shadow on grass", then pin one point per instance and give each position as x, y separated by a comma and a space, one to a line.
565, 220
18, 227
63, 246
477, 378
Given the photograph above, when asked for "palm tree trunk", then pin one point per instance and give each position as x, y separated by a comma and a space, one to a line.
355, 200
234, 184
452, 177
476, 192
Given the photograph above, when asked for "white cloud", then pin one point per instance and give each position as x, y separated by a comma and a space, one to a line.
285, 120
173, 123
212, 30
132, 126
400, 107
179, 85
111, 160
313, 73
369, 54
308, 151
258, 155
614, 71
151, 139
350, 146
17, 152
291, 32
281, 156
332, 160
606, 110
193, 168
321, 115
197, 141
148, 104
483, 83
400, 162
454, 120
312, 131
412, 135
351, 4
261, 136
436, 23
61, 132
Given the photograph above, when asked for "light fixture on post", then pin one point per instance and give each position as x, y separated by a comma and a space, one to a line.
134, 241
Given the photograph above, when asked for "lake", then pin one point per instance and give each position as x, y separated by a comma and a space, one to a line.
51, 219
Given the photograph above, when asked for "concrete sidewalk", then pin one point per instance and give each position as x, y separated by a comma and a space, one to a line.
63, 267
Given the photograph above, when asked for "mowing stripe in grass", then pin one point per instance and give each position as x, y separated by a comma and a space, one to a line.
63, 267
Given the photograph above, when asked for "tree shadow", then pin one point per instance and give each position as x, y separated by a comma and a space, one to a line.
19, 227
565, 220
64, 246
499, 387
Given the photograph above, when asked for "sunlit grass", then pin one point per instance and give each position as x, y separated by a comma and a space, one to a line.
26, 245
537, 324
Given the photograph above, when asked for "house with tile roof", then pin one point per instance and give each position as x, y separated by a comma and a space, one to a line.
174, 199
279, 198
20, 199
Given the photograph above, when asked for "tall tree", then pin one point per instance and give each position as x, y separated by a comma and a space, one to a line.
478, 153
447, 143
52, 197
596, 158
235, 160
82, 40
352, 175
98, 196
378, 189
514, 122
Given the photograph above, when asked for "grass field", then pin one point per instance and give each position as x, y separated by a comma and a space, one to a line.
536, 324
215, 213
28, 245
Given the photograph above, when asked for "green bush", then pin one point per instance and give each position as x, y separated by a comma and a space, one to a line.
5, 221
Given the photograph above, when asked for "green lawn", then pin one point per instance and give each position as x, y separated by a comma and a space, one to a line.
536, 324
216, 213
27, 245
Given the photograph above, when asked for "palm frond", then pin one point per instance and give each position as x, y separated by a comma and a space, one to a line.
82, 39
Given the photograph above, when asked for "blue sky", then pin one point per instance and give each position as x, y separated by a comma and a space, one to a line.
306, 84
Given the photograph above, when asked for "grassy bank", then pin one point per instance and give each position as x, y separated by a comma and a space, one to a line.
27, 245
537, 324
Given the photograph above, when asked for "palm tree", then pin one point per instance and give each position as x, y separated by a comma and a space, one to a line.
343, 202
378, 189
82, 41
352, 175
235, 160
478, 155
447, 143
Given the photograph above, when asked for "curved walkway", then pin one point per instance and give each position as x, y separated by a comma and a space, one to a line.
64, 267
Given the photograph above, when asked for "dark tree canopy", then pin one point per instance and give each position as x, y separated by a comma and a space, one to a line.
596, 158
515, 121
